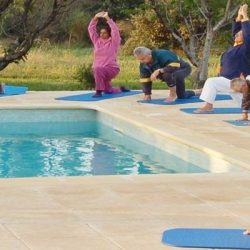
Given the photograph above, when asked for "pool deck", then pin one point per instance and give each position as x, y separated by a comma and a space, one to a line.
129, 212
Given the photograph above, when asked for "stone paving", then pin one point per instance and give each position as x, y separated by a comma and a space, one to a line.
129, 212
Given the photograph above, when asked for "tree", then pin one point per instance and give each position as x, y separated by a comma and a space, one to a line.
201, 20
27, 20
154, 37
120, 9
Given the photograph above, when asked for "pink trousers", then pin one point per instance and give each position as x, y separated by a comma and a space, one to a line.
103, 77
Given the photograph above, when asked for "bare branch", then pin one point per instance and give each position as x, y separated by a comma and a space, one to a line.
204, 9
169, 27
227, 16
203, 14
19, 49
27, 7
4, 4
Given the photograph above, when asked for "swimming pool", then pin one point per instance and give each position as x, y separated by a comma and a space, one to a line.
83, 142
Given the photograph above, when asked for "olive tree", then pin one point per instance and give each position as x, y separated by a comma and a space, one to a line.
26, 20
201, 20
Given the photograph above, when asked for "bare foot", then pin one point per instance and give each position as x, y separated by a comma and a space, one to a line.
171, 98
208, 107
147, 98
202, 110
247, 232
242, 120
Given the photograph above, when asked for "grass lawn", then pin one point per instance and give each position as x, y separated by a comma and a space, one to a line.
57, 68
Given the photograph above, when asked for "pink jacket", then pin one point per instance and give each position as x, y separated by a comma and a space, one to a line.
105, 51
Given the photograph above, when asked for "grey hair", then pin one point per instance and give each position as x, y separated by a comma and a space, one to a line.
142, 51
236, 82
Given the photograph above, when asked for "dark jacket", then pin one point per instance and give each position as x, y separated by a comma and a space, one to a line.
236, 60
162, 59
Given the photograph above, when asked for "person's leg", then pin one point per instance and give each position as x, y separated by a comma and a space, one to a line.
111, 73
172, 94
176, 82
180, 85
103, 77
181, 92
147, 90
180, 76
99, 74
169, 79
211, 87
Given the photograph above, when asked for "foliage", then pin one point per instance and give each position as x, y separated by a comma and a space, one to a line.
194, 24
84, 74
125, 27
26, 19
77, 27
222, 41
147, 31
52, 67
119, 9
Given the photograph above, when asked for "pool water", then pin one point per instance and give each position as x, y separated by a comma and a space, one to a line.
74, 143
74, 155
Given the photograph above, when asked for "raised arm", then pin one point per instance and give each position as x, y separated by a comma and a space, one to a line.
115, 33
92, 27
92, 30
236, 27
245, 26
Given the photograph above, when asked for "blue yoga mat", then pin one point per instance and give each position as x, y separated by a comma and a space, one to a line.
88, 97
207, 238
13, 90
215, 111
239, 123
192, 99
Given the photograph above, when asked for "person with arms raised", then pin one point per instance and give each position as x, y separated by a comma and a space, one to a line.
106, 45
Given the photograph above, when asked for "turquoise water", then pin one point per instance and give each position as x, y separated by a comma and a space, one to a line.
73, 143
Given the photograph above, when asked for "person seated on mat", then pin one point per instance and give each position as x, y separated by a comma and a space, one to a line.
242, 86
234, 61
164, 65
106, 45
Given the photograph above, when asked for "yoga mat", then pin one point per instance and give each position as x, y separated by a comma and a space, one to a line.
207, 238
192, 99
215, 111
14, 90
239, 123
88, 96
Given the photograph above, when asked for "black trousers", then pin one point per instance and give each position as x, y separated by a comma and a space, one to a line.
177, 78
147, 88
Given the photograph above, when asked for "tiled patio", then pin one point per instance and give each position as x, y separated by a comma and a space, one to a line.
128, 212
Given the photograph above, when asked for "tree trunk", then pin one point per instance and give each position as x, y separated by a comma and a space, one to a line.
18, 49
202, 70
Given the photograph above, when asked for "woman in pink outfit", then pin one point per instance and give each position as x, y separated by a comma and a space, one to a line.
106, 45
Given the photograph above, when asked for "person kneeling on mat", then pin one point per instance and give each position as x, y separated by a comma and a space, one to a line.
164, 65
106, 44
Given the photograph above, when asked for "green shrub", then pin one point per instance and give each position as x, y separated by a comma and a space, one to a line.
84, 75
147, 31
77, 28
